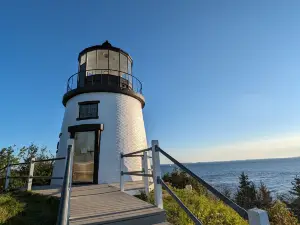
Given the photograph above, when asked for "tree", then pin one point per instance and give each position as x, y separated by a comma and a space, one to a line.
7, 155
40, 168
296, 187
263, 198
295, 205
246, 193
226, 191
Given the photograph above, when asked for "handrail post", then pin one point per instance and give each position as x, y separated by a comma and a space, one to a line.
30, 175
121, 172
156, 175
146, 171
7, 177
63, 213
258, 217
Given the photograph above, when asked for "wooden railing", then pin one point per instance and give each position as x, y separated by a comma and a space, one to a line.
254, 216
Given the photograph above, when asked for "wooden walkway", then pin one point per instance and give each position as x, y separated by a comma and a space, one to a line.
106, 204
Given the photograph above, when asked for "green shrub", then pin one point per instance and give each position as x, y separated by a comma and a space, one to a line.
280, 215
208, 210
179, 179
9, 207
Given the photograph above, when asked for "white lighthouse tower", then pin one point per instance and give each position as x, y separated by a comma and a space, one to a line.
103, 113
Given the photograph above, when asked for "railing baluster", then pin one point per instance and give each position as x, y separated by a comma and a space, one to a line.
156, 175
146, 170
30, 175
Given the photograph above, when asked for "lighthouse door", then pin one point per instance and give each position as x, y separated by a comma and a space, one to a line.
84, 157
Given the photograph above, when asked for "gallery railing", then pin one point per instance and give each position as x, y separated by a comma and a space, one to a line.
97, 77
254, 216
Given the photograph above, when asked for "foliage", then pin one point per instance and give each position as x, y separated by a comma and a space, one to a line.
280, 215
226, 191
24, 154
9, 207
8, 155
179, 179
263, 197
246, 193
210, 211
23, 208
295, 205
40, 169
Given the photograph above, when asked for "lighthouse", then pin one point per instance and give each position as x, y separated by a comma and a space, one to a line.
103, 114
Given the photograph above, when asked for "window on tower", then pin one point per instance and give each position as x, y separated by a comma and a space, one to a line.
88, 110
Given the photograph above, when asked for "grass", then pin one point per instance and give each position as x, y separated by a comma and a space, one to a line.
26, 208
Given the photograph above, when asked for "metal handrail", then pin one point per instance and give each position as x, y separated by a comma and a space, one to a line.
53, 159
34, 177
37, 161
133, 153
241, 211
63, 212
180, 203
134, 81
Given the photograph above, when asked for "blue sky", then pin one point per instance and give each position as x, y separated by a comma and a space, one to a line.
215, 73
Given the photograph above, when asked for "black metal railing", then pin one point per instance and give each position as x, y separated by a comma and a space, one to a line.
241, 211
100, 77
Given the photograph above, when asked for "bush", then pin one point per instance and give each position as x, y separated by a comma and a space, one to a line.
280, 215
208, 210
9, 207
179, 179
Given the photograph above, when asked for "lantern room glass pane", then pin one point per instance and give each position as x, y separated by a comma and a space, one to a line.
129, 66
114, 63
82, 59
102, 61
123, 63
91, 60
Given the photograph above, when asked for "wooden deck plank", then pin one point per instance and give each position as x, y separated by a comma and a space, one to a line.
106, 204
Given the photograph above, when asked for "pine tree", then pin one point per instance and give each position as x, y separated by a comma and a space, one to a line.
264, 198
296, 187
296, 192
246, 193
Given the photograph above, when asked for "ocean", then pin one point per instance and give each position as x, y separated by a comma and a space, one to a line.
277, 174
